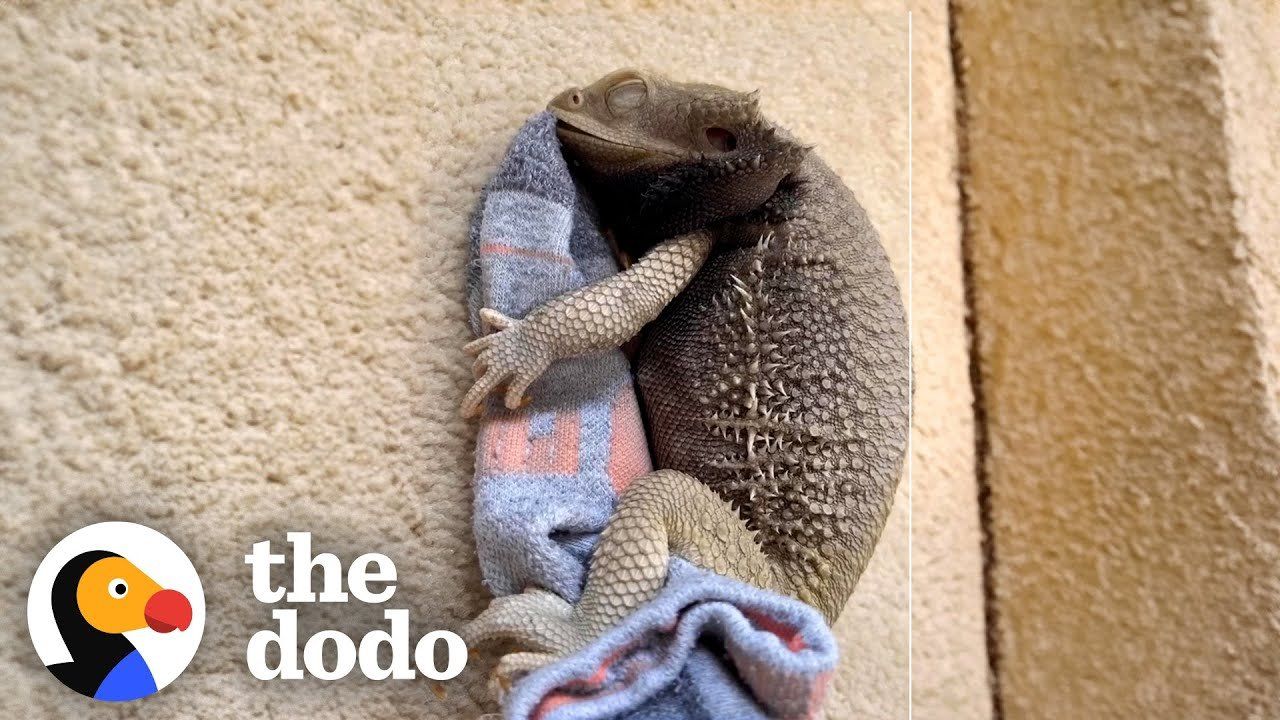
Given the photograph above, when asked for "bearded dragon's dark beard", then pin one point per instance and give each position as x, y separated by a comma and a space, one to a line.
615, 198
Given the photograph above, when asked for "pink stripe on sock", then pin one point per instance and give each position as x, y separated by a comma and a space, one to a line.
557, 451
550, 704
790, 636
505, 440
588, 688
818, 693
492, 248
628, 448
568, 433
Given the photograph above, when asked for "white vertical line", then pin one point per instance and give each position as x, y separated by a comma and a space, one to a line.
911, 319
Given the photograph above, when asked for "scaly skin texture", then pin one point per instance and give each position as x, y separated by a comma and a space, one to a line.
595, 317
774, 372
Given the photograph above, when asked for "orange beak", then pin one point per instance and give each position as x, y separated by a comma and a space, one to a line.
168, 610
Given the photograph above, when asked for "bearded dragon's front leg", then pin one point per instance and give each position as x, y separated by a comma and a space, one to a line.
596, 317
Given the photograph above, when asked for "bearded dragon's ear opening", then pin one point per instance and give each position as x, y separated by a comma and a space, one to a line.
721, 139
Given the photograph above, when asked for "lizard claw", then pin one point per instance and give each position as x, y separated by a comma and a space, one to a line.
511, 355
475, 346
495, 319
539, 623
514, 666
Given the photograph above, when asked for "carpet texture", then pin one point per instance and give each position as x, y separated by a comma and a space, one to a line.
233, 238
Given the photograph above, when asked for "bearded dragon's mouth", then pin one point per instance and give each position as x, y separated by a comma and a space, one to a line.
564, 128
585, 139
583, 143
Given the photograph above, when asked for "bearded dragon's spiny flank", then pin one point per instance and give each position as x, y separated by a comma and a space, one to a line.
774, 372
779, 442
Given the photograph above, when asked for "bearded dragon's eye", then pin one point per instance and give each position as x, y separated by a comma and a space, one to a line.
627, 95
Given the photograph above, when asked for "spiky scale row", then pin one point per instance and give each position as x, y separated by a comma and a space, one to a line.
777, 448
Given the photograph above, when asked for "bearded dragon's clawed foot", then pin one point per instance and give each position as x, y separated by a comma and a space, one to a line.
661, 514
514, 666
600, 316
516, 353
539, 622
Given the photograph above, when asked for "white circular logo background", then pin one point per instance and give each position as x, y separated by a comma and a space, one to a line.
165, 654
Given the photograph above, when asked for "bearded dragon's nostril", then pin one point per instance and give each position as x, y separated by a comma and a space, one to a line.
570, 99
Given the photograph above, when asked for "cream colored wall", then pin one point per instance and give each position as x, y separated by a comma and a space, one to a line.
233, 237
1122, 163
949, 655
1247, 34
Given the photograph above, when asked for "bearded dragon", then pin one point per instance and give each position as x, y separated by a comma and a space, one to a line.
774, 370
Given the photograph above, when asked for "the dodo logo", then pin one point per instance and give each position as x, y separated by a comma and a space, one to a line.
116, 611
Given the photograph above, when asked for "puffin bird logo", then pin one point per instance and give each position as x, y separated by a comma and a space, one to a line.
106, 628
97, 597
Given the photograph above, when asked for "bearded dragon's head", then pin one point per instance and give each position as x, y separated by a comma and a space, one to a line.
688, 152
